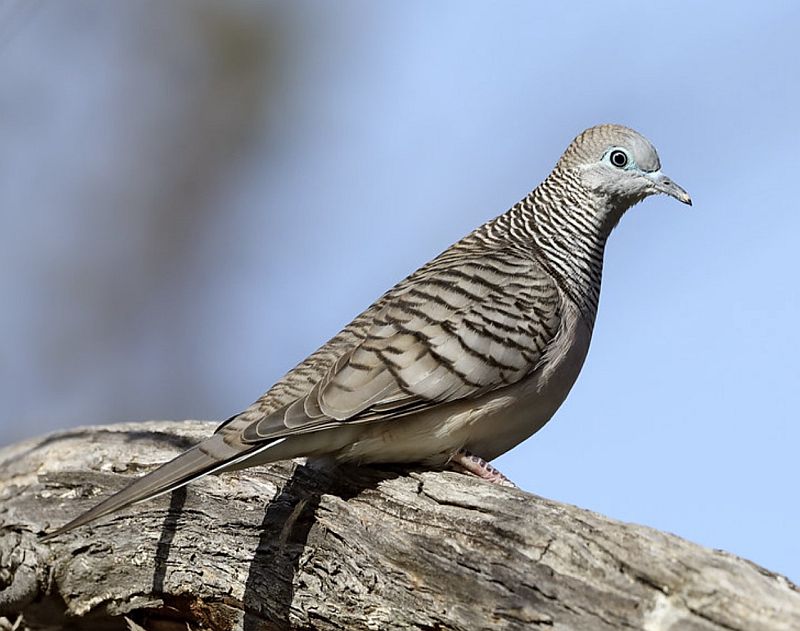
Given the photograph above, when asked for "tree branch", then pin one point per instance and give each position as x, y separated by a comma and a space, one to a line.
290, 547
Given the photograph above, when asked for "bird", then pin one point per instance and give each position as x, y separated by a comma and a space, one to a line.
462, 360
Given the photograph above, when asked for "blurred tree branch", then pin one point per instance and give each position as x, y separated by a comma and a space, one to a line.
126, 125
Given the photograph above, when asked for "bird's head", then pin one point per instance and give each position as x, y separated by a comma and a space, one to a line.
620, 166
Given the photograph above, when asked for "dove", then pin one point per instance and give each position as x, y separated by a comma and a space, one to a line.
462, 360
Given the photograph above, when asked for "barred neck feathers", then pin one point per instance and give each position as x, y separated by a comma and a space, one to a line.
569, 227
557, 224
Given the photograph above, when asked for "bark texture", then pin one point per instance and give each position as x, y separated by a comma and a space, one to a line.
290, 547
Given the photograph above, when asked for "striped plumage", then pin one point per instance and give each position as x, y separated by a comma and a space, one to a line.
474, 351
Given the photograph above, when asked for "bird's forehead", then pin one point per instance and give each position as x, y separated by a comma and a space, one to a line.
595, 142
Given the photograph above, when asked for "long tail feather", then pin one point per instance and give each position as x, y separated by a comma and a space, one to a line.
191, 465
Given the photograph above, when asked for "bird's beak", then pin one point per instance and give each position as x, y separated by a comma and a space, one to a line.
663, 184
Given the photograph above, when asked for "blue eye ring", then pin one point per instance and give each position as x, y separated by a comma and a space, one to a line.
618, 158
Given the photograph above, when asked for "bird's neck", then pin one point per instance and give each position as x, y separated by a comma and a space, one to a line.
569, 226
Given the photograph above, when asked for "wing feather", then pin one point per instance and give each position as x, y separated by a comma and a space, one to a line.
456, 332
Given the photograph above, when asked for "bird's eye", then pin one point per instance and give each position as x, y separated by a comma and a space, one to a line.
618, 158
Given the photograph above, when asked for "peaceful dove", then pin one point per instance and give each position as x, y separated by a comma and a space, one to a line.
462, 360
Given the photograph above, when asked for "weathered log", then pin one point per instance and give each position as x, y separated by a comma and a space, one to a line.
291, 547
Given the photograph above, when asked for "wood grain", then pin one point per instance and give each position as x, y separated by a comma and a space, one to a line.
291, 547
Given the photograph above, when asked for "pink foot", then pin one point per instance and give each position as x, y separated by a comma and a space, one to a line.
466, 462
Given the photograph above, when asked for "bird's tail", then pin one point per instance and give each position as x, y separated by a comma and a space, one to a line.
191, 465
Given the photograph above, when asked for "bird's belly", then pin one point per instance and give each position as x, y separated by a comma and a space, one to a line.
488, 426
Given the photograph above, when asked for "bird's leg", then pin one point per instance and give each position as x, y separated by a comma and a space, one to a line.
465, 462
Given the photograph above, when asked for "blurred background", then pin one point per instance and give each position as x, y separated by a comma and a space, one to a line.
195, 195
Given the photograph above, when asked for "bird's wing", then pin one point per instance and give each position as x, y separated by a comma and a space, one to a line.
459, 327
457, 331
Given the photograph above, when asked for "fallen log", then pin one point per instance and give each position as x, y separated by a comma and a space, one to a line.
287, 546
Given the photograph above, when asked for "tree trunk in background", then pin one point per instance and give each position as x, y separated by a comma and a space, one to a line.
289, 547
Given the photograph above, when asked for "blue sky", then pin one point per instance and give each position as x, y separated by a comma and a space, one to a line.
387, 131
